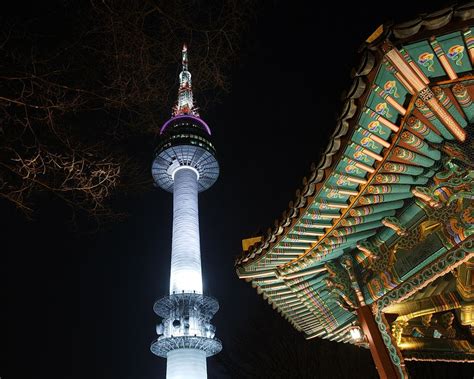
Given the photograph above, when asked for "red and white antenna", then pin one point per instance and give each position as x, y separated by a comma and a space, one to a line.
185, 104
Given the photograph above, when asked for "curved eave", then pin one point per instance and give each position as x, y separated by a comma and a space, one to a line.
281, 247
312, 313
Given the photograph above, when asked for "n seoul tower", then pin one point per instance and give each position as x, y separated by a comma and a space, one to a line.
185, 163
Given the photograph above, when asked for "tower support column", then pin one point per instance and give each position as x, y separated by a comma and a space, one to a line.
186, 273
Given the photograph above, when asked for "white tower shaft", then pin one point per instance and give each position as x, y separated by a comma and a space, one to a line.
186, 273
186, 364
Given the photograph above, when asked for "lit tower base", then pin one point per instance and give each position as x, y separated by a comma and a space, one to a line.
185, 164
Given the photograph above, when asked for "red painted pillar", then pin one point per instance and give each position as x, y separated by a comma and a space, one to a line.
380, 354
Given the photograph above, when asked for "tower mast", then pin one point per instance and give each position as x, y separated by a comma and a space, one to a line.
185, 164
185, 103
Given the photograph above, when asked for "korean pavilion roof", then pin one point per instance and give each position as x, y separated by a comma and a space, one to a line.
386, 143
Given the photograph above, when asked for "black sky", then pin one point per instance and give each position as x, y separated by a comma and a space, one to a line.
78, 306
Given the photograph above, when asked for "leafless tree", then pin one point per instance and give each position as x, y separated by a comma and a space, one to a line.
80, 105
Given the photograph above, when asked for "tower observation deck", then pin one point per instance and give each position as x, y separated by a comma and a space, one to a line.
185, 164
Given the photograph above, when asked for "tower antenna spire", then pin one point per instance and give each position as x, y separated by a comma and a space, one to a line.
185, 57
185, 104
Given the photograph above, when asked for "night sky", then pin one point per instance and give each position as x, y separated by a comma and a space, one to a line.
78, 305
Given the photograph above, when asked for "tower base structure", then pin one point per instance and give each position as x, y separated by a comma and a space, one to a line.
187, 337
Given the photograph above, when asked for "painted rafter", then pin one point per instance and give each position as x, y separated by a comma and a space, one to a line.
388, 168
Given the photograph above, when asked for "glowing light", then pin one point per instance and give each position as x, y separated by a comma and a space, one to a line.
356, 333
173, 173
202, 122
185, 280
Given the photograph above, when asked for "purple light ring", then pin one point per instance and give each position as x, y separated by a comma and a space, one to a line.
202, 122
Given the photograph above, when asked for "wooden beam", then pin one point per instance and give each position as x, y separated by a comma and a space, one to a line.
380, 354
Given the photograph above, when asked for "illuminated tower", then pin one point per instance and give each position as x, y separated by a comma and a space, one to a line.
185, 164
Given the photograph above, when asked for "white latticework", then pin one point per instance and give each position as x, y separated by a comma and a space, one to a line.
186, 253
186, 364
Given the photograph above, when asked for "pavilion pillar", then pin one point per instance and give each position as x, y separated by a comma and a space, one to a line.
380, 354
378, 349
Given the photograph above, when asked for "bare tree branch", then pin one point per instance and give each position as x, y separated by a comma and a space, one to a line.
80, 109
